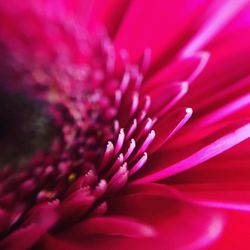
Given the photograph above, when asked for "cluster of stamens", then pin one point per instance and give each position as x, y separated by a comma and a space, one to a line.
103, 133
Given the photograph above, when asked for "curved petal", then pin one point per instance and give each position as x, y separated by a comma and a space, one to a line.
234, 96
221, 72
110, 226
211, 149
153, 204
236, 233
222, 182
213, 25
183, 69
168, 126
167, 212
40, 219
165, 97
142, 28
5, 220
108, 12
226, 110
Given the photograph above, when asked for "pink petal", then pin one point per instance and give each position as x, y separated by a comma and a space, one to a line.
221, 182
75, 205
25, 238
153, 204
225, 111
158, 205
142, 28
107, 12
220, 71
165, 97
110, 225
214, 24
208, 151
235, 91
4, 220
50, 242
40, 219
168, 126
236, 232
183, 69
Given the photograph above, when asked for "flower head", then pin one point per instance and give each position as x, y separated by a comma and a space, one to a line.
87, 127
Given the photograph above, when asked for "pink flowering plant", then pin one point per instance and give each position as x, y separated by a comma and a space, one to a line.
124, 124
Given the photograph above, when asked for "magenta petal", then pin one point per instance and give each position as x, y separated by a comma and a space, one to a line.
142, 29
220, 182
4, 220
236, 233
76, 205
221, 72
230, 95
214, 24
225, 111
168, 126
230, 170
110, 225
103, 12
234, 198
216, 147
50, 242
182, 69
23, 238
40, 219
155, 205
160, 207
165, 97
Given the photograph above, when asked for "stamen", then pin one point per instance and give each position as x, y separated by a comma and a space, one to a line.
100, 189
139, 164
125, 82
130, 150
120, 141
131, 129
119, 179
107, 155
119, 160
145, 144
134, 105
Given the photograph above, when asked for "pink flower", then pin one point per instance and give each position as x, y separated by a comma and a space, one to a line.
99, 146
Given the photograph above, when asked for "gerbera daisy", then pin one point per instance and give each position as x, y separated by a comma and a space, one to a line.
107, 107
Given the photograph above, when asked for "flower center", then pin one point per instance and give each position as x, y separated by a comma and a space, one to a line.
84, 124
25, 127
